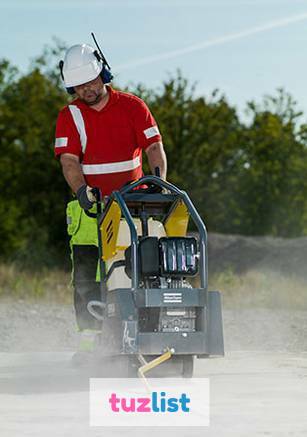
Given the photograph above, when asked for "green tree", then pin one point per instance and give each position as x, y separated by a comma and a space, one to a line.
273, 183
32, 185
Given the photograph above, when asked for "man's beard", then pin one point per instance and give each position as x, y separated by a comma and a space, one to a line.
96, 98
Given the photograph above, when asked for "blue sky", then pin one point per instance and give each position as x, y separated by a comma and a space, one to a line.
246, 48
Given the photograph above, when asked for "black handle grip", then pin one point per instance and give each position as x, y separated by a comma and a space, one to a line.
157, 172
97, 193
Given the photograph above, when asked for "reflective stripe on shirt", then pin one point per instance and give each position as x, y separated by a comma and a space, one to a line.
79, 122
151, 132
112, 167
61, 142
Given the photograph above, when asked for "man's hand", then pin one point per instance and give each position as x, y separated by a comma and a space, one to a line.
157, 158
85, 197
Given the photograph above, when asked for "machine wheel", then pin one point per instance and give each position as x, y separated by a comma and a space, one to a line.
187, 366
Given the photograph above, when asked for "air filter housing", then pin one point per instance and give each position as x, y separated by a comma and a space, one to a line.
178, 256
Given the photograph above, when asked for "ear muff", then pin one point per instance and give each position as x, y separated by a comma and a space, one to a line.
105, 74
70, 90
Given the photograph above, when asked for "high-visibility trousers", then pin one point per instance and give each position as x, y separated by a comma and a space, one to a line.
84, 256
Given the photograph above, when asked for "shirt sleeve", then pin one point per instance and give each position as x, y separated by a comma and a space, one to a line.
147, 131
67, 139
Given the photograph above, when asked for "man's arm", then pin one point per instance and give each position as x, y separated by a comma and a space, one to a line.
157, 158
72, 171
73, 174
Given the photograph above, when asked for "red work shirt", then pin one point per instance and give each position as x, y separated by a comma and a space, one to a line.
109, 143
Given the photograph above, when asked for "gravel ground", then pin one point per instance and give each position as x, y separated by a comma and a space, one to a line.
28, 326
261, 393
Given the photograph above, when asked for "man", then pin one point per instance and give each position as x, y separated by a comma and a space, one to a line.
100, 137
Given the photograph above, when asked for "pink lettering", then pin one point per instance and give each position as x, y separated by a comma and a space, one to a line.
113, 401
142, 408
125, 407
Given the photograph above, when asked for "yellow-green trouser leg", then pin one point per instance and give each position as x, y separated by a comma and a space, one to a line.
84, 254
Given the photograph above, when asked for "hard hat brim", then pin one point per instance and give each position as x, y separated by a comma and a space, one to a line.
81, 75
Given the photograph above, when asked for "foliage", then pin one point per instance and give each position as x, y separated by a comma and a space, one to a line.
247, 178
33, 191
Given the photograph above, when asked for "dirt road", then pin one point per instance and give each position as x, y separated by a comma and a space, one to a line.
252, 394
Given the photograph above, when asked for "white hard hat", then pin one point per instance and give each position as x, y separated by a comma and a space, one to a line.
80, 65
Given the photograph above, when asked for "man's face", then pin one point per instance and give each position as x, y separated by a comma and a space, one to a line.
90, 92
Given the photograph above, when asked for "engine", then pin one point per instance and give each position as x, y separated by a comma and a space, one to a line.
166, 263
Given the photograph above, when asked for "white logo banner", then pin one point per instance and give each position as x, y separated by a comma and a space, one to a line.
161, 402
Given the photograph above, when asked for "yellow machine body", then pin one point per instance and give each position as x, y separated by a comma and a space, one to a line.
176, 224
